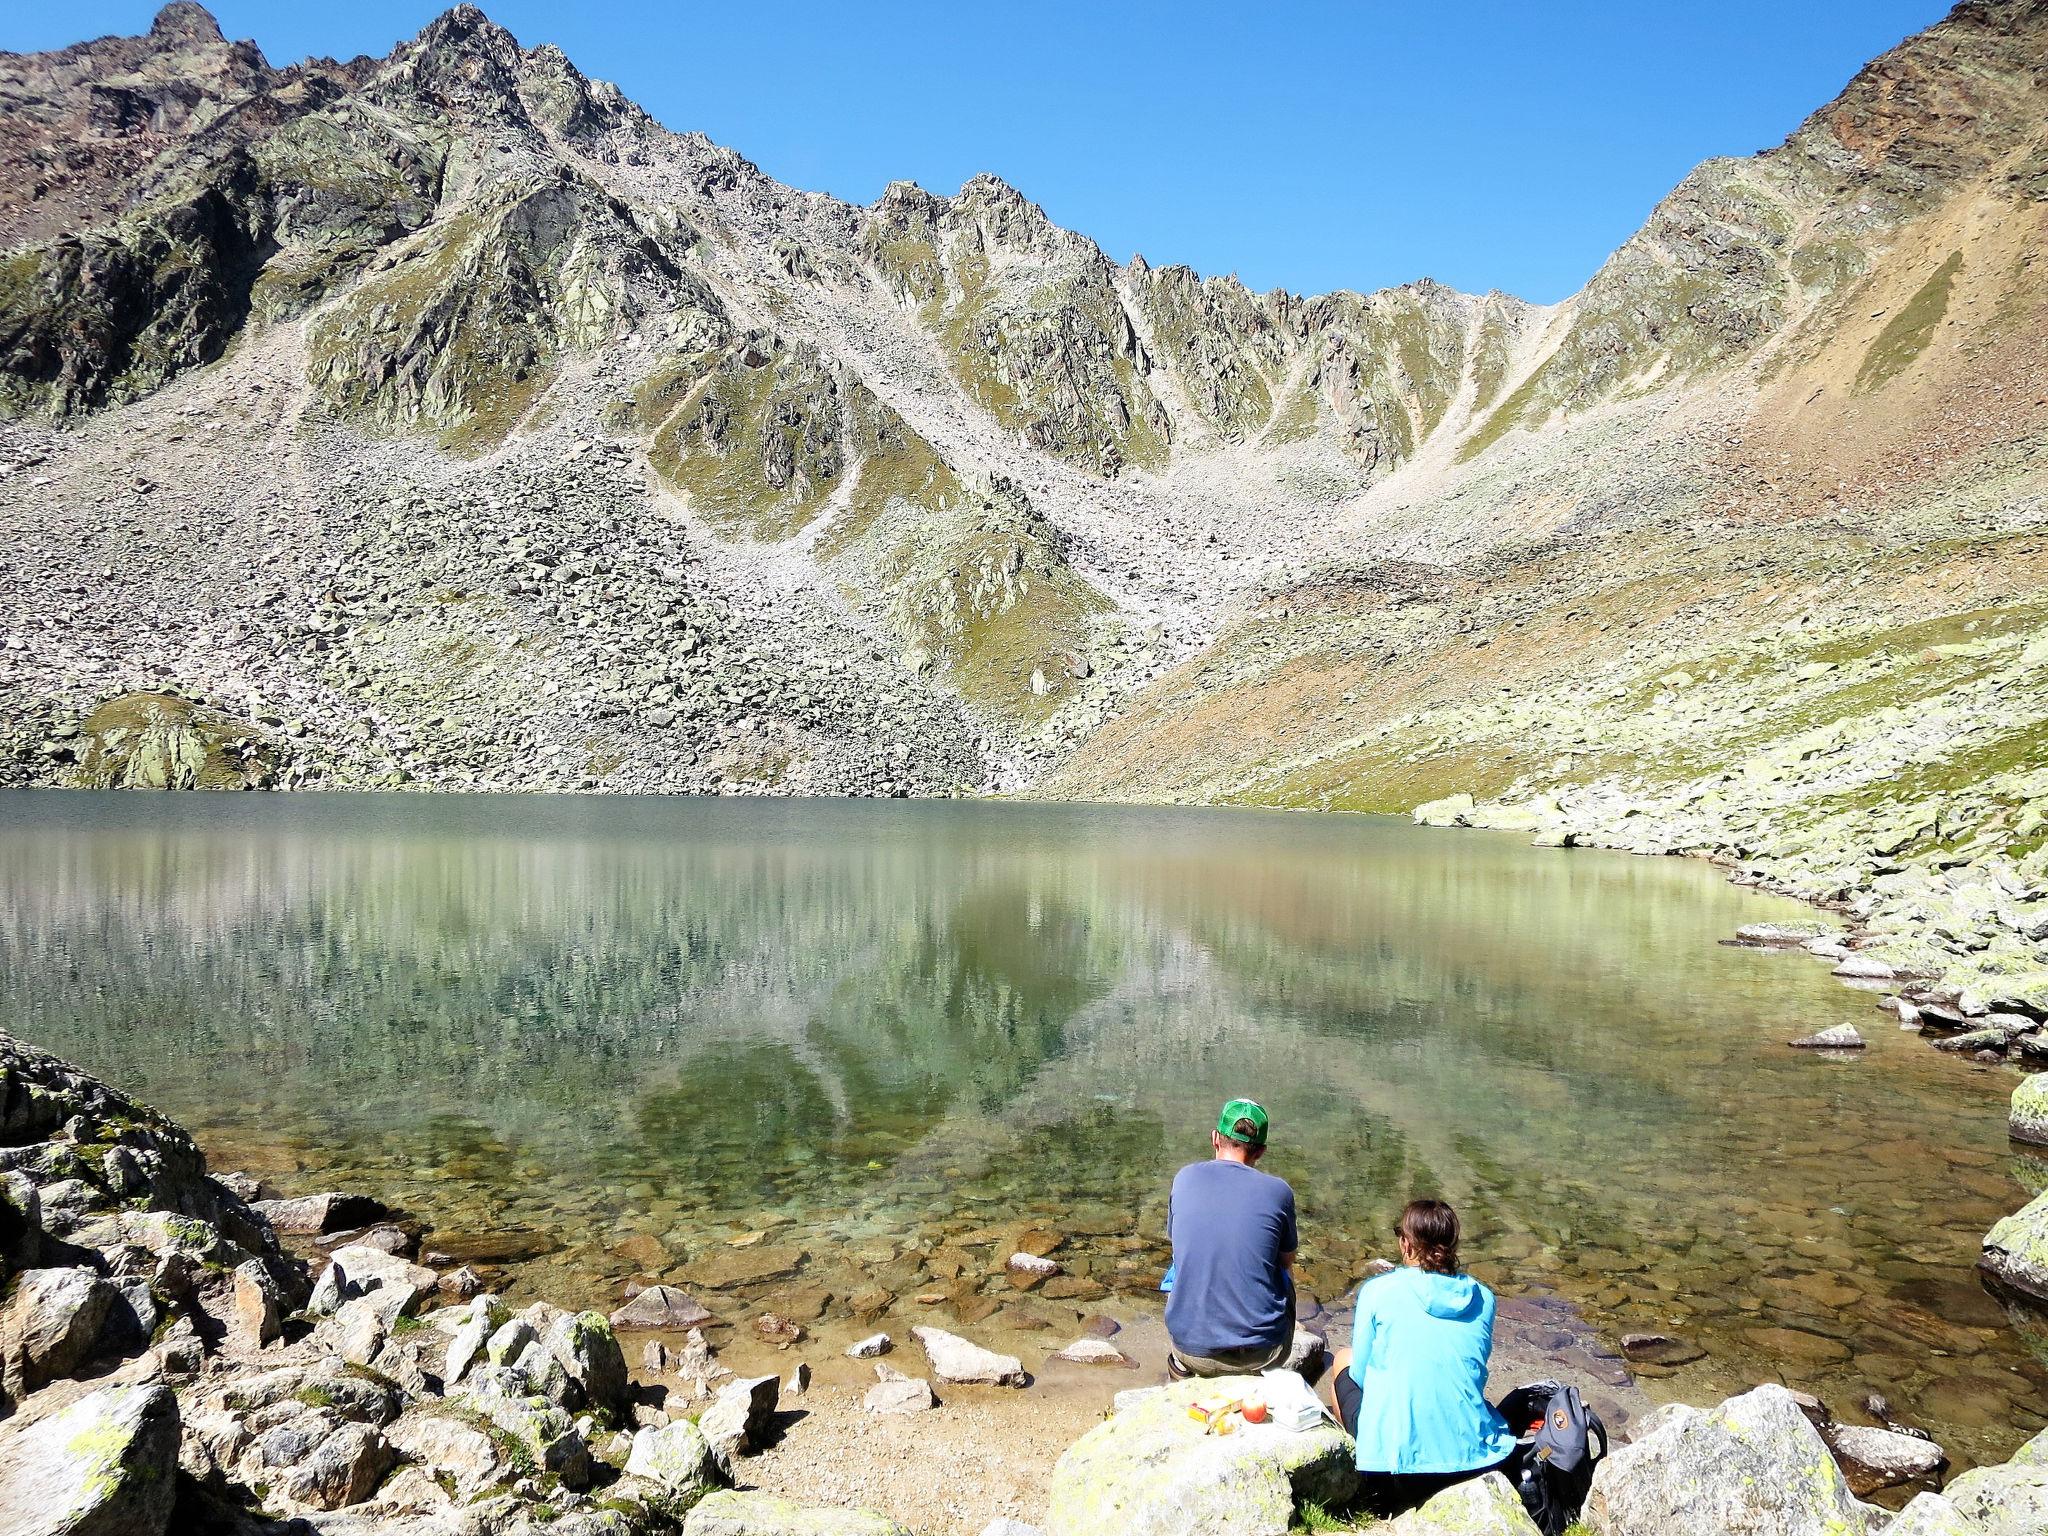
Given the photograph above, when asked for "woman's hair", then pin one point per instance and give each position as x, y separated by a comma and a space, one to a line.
1431, 1230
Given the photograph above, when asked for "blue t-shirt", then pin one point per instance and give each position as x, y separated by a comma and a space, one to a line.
1229, 1225
1419, 1349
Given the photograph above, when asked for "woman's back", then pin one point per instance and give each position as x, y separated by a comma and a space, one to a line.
1420, 1348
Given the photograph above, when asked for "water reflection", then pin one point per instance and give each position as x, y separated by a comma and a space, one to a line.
632, 1030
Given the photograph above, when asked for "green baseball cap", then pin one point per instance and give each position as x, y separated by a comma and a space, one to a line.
1242, 1109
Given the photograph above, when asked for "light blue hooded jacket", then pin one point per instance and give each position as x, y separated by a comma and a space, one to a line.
1419, 1348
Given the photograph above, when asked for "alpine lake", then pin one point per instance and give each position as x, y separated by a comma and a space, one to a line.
837, 1060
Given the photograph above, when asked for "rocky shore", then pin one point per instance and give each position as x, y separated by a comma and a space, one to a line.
170, 1362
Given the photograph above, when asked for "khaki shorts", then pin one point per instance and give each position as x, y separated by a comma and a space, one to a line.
1230, 1362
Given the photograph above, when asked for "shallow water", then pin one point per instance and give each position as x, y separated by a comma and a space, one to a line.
592, 1038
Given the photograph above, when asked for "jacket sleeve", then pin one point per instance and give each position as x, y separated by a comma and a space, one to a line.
1363, 1323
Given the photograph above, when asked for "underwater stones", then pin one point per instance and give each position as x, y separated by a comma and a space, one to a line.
1479, 1506
2015, 1251
956, 1359
1840, 1037
1797, 1345
1753, 1464
661, 1306
730, 1267
1659, 1349
1151, 1470
106, 1465
773, 1328
2028, 1119
726, 1513
1031, 1264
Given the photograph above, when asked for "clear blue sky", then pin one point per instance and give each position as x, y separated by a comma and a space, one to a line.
1306, 144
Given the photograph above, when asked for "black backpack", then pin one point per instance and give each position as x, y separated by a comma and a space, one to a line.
1553, 1460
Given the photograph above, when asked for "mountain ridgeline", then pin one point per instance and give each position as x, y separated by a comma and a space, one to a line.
443, 419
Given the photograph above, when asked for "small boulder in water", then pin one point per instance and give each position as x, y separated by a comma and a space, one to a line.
956, 1359
1092, 1351
661, 1306
1842, 1037
1659, 1349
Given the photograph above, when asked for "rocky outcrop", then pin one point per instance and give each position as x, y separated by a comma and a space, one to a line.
104, 1464
162, 741
1152, 1470
2015, 1254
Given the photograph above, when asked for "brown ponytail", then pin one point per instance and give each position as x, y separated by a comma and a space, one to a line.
1430, 1228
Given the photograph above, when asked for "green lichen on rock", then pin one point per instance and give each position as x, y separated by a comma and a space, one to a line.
162, 741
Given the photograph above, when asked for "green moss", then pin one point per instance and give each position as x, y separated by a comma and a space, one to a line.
1910, 331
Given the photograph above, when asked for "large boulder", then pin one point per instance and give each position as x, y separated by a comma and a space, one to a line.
739, 1418
2029, 1118
2016, 1251
1479, 1506
105, 1466
1930, 1514
725, 1513
311, 1215
1151, 1470
1755, 1464
583, 1345
2011, 1500
676, 1455
49, 1326
355, 1269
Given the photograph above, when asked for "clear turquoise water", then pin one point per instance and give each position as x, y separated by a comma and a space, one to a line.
626, 1032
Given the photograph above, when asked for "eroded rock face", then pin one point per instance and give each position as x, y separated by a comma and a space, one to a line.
1150, 1470
104, 1465
1753, 1464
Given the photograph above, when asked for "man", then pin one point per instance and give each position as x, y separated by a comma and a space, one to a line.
1231, 1310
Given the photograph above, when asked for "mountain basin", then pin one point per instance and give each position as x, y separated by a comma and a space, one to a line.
838, 1060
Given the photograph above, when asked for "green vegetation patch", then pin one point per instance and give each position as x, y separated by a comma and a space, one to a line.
1910, 330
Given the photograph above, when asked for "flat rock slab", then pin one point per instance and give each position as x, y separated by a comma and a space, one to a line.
745, 1266
1151, 1470
960, 1360
726, 1513
662, 1306
1874, 1458
107, 1464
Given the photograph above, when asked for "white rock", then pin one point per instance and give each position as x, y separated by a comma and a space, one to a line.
874, 1344
959, 1360
1840, 1037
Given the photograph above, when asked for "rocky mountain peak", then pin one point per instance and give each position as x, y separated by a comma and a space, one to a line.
185, 22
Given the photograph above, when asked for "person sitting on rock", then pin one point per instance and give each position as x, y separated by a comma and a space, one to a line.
1231, 1310
1411, 1389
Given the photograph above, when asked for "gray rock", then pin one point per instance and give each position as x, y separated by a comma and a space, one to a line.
312, 1215
104, 1466
1151, 1470
2008, 1500
49, 1326
1840, 1037
583, 1345
661, 1306
1858, 967
1755, 1464
1479, 1506
739, 1418
957, 1360
1093, 1351
343, 1467
354, 1270
1882, 1458
1307, 1349
258, 1308
726, 1513
897, 1393
2016, 1251
448, 1447
874, 1344
1931, 1514
2028, 1121
676, 1455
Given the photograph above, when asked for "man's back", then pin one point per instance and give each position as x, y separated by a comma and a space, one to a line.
1230, 1226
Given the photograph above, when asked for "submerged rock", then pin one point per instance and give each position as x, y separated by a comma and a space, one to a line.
1151, 1470
1841, 1037
662, 1306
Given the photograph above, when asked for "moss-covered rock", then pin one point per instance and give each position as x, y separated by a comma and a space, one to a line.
2016, 1251
1153, 1470
162, 741
2028, 1121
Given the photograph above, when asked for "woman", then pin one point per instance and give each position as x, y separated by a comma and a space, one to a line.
1412, 1387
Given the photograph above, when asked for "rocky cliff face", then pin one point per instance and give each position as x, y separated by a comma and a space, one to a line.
442, 418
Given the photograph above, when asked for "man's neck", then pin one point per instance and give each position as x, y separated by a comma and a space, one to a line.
1233, 1155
